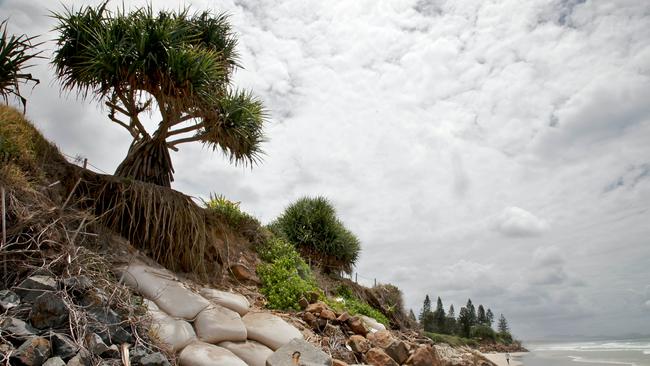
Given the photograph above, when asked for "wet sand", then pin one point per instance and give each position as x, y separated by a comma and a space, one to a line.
500, 358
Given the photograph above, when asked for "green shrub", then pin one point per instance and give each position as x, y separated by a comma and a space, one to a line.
312, 226
504, 337
285, 276
230, 212
483, 332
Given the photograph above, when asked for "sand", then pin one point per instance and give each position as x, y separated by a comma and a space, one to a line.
500, 358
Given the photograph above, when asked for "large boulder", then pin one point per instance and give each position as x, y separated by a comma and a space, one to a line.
174, 332
422, 356
270, 330
298, 352
205, 354
359, 344
217, 324
251, 352
230, 300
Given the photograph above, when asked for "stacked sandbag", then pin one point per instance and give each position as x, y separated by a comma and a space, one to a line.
217, 324
270, 330
203, 354
176, 333
232, 301
252, 352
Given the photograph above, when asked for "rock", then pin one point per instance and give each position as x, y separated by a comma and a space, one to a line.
33, 352
113, 351
422, 356
343, 317
305, 353
251, 352
381, 339
94, 297
398, 351
312, 296
54, 361
328, 314
356, 325
270, 330
34, 286
5, 348
372, 324
303, 303
8, 300
77, 286
217, 324
205, 354
230, 300
377, 357
359, 344
48, 311
136, 354
317, 307
336, 362
95, 344
63, 346
310, 319
154, 359
80, 359
242, 273
17, 329
113, 332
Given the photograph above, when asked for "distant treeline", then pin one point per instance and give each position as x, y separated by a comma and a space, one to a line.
471, 322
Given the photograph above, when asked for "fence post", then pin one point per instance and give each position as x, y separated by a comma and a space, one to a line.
375, 282
356, 277
4, 236
85, 162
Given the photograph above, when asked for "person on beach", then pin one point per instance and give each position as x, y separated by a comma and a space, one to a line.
508, 358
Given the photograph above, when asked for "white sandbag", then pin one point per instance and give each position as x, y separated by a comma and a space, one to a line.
148, 281
253, 353
217, 324
231, 300
269, 330
205, 354
372, 324
180, 302
174, 332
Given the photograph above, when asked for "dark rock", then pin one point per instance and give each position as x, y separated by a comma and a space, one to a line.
303, 303
33, 352
48, 311
112, 332
310, 319
34, 286
136, 354
8, 300
80, 359
359, 344
377, 357
94, 297
398, 351
112, 352
304, 351
77, 286
54, 361
17, 329
63, 346
95, 344
154, 359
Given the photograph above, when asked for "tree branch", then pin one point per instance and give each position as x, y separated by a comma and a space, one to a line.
172, 144
129, 128
185, 129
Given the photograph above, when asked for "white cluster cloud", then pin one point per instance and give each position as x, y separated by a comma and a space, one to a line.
492, 150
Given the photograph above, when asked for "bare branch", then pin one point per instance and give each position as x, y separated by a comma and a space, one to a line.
131, 130
171, 144
186, 129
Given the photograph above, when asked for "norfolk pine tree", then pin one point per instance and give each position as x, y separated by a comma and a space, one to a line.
439, 317
490, 317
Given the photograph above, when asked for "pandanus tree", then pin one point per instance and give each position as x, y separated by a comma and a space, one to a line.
15, 53
178, 62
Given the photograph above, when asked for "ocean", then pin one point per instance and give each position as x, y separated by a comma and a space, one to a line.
631, 352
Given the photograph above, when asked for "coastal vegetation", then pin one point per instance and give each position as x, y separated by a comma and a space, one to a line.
179, 64
471, 327
15, 53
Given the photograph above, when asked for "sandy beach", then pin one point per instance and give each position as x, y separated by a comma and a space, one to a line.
500, 358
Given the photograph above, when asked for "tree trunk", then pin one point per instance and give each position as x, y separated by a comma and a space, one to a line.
148, 160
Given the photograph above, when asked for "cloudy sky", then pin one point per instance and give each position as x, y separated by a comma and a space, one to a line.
497, 150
